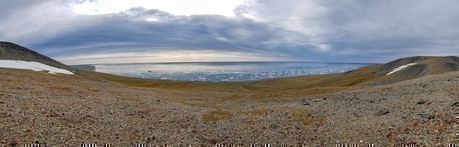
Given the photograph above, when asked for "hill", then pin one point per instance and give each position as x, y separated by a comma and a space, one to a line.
414, 67
389, 73
11, 51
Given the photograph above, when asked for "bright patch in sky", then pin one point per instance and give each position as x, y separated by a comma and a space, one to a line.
172, 56
176, 7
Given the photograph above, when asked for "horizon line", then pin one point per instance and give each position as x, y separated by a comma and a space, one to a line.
174, 62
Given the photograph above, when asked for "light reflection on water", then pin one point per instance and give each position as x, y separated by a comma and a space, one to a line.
223, 71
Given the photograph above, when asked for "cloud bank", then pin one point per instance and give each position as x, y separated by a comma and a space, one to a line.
259, 30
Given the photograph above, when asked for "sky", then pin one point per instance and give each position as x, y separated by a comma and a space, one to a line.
133, 31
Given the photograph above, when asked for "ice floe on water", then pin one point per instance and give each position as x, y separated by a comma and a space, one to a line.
223, 71
400, 68
35, 66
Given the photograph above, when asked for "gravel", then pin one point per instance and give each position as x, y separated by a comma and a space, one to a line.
62, 110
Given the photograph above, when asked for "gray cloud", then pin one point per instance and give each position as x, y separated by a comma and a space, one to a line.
309, 30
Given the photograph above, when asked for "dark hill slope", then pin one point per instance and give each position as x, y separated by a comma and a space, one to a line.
368, 75
424, 66
11, 51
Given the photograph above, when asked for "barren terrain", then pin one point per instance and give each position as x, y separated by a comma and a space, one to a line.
37, 107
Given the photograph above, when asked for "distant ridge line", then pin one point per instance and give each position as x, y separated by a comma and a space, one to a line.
11, 51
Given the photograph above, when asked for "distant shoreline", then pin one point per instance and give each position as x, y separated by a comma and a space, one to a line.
224, 71
227, 62
84, 67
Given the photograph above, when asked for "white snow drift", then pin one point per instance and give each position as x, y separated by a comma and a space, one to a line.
35, 66
400, 68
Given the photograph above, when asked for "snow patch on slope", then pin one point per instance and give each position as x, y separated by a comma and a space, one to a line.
400, 68
35, 66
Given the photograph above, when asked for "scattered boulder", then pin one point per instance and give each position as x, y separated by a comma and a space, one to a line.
455, 104
453, 79
382, 112
424, 86
305, 102
357, 115
150, 139
421, 101
273, 126
317, 100
426, 116
316, 115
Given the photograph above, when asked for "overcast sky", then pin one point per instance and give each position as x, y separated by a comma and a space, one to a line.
114, 31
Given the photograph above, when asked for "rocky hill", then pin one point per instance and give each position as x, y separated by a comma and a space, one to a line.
382, 74
11, 51
413, 67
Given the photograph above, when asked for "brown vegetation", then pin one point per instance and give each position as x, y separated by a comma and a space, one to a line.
216, 115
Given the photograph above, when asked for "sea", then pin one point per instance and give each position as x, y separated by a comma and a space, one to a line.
224, 71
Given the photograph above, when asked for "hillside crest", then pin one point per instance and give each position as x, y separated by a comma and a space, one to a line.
12, 51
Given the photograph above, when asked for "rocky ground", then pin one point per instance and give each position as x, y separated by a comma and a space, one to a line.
66, 110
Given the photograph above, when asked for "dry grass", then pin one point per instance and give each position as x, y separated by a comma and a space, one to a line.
267, 90
259, 111
302, 116
250, 120
62, 88
217, 115
91, 89
413, 96
167, 84
356, 77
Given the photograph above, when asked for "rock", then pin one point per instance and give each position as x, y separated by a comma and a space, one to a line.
305, 102
273, 126
453, 79
357, 115
150, 139
212, 139
316, 115
13, 142
426, 116
455, 104
424, 86
382, 112
421, 101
